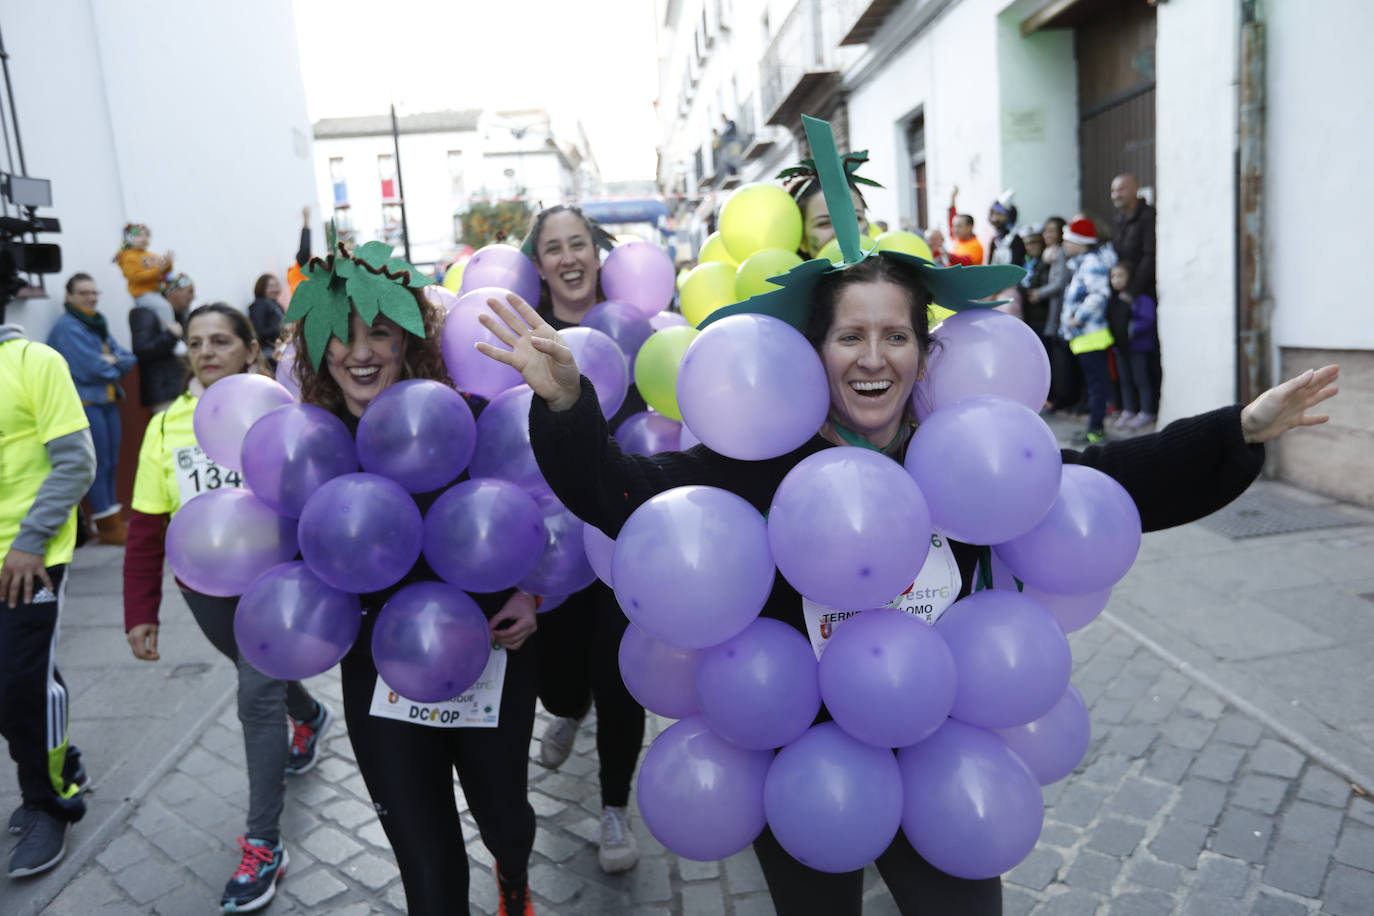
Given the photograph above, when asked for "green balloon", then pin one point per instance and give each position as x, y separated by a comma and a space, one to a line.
753, 275
656, 368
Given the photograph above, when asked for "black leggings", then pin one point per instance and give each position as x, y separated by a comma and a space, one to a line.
919, 888
409, 774
579, 647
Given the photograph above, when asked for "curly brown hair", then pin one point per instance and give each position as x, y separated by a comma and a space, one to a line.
423, 359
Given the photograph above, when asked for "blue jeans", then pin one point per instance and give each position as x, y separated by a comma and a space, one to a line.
1134, 369
104, 420
1097, 374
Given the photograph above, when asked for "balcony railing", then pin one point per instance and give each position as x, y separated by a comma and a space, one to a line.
804, 55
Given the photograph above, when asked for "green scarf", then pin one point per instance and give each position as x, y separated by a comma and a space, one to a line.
93, 320
852, 438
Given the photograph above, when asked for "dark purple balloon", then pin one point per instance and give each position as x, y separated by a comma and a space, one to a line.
220, 541
291, 626
470, 370
563, 567
228, 408
504, 266
1055, 743
418, 433
503, 443
600, 360
431, 642
360, 533
484, 535
623, 323
648, 433
660, 677
759, 689
291, 451
640, 274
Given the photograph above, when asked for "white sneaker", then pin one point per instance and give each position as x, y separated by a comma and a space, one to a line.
619, 850
557, 742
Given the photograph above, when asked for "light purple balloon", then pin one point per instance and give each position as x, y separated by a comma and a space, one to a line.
430, 642
418, 433
1055, 743
687, 438
599, 359
220, 541
888, 678
641, 274
1010, 657
503, 266
700, 795
503, 443
834, 803
660, 677
849, 528
970, 806
691, 566
440, 296
983, 351
759, 689
483, 535
360, 533
471, 371
648, 433
988, 466
667, 320
291, 451
286, 371
752, 387
563, 567
291, 626
600, 549
1074, 612
623, 323
1085, 543
226, 411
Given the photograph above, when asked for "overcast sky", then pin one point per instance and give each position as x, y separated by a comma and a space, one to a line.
593, 59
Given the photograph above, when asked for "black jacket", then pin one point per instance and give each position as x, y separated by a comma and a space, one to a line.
1133, 237
161, 373
266, 315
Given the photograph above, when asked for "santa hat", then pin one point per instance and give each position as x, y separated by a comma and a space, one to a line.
1081, 231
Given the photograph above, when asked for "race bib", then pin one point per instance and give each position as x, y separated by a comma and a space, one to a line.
477, 707
936, 587
197, 474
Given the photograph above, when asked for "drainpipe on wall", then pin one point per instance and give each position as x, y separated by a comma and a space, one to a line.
1254, 353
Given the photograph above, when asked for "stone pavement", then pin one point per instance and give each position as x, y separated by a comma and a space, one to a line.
1231, 702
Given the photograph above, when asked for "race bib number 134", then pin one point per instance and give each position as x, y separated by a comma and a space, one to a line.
197, 474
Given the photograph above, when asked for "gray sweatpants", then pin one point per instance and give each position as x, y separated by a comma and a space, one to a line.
263, 704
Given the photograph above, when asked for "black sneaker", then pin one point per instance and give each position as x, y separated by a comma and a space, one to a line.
514, 896
305, 740
41, 846
72, 771
252, 886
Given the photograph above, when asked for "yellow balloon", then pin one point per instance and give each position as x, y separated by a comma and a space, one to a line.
831, 249
939, 313
713, 249
453, 278
656, 367
707, 288
752, 276
905, 242
759, 216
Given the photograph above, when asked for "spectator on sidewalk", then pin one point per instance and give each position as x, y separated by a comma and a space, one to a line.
1083, 321
1066, 376
267, 314
97, 363
1134, 332
1006, 245
143, 270
47, 462
157, 342
964, 247
1034, 313
1133, 237
936, 240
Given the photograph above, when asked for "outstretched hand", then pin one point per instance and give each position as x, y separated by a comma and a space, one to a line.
1285, 406
536, 351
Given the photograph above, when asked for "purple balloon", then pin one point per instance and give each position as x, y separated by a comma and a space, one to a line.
503, 266
563, 568
970, 806
834, 803
888, 678
440, 296
1055, 743
1010, 655
641, 274
648, 433
752, 387
700, 795
360, 533
286, 371
600, 549
660, 677
226, 411
483, 535
550, 602
849, 528
691, 566
503, 443
1085, 543
1074, 612
759, 689
599, 359
220, 541
982, 351
431, 642
687, 438
291, 451
667, 320
470, 370
291, 626
418, 433
989, 469
623, 323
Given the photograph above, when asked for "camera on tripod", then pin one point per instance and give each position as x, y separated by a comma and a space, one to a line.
16, 254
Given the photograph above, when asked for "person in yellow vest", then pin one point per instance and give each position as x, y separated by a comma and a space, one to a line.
1083, 320
47, 462
172, 469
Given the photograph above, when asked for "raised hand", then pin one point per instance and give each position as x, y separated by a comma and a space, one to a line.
536, 351
1285, 406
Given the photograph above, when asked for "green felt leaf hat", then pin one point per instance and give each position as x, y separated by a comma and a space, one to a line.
955, 288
